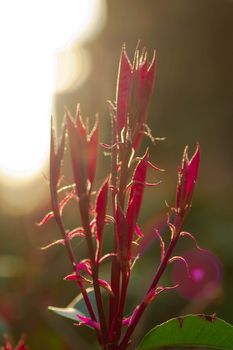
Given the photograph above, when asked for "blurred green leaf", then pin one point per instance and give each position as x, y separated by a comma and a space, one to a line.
11, 266
77, 306
4, 329
190, 330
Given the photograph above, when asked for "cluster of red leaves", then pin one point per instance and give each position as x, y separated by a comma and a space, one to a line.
123, 191
20, 346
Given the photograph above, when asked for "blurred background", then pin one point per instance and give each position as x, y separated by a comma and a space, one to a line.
58, 53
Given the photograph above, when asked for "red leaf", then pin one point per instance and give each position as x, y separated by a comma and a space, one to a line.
88, 322
193, 167
187, 178
144, 82
93, 142
101, 206
7, 345
46, 218
56, 157
136, 192
78, 146
122, 94
105, 285
122, 230
21, 345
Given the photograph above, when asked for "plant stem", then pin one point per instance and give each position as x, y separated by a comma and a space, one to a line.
179, 220
115, 268
73, 263
84, 213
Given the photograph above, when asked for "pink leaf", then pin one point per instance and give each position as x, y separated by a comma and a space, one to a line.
84, 265
128, 320
88, 322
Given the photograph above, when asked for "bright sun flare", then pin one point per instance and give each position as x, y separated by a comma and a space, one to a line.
30, 34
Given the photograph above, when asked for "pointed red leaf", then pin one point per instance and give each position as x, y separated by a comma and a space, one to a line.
122, 231
101, 207
93, 143
78, 147
105, 285
136, 193
21, 345
88, 322
143, 95
187, 177
193, 167
56, 158
122, 94
7, 345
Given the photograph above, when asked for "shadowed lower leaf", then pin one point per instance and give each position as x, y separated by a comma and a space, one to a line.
76, 307
191, 330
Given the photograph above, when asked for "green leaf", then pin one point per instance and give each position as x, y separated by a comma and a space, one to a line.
77, 306
4, 329
190, 330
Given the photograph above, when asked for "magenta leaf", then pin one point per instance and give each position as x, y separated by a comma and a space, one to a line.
101, 206
122, 231
136, 193
93, 142
187, 177
56, 158
84, 320
78, 145
122, 93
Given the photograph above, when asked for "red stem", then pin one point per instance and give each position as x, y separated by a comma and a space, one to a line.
84, 213
73, 263
178, 222
124, 288
115, 269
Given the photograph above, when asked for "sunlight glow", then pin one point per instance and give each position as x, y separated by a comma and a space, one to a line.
32, 36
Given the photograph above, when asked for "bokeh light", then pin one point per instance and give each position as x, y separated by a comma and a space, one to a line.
205, 275
36, 42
